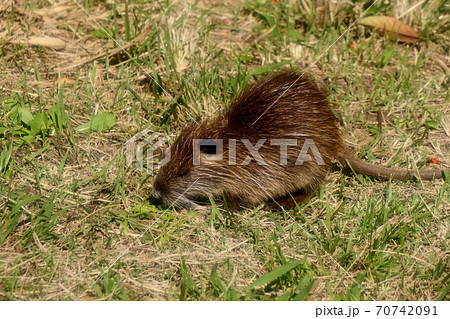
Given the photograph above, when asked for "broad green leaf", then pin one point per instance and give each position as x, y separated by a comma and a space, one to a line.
284, 297
39, 123
274, 274
29, 138
25, 115
102, 34
99, 123
144, 208
58, 116
10, 103
5, 157
304, 287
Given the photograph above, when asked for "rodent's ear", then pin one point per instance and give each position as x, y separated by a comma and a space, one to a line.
189, 123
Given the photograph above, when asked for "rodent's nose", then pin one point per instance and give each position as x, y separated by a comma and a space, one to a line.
158, 189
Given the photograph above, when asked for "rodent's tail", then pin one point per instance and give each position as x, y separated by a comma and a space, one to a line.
381, 172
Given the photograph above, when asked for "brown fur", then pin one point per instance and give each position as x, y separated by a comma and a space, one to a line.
301, 112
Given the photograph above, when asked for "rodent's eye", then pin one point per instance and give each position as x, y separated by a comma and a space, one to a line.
208, 149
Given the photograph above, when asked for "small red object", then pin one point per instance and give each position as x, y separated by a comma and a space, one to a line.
274, 0
364, 42
434, 160
352, 45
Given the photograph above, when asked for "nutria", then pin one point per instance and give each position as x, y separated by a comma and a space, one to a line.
239, 153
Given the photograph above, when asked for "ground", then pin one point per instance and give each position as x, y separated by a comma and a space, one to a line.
76, 222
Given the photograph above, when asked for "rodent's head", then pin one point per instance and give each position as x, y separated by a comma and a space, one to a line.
194, 170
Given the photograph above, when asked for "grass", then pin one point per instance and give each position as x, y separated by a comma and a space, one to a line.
69, 205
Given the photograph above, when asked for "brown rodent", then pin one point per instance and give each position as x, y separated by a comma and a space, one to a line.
282, 107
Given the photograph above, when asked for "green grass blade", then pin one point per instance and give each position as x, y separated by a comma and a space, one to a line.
271, 276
